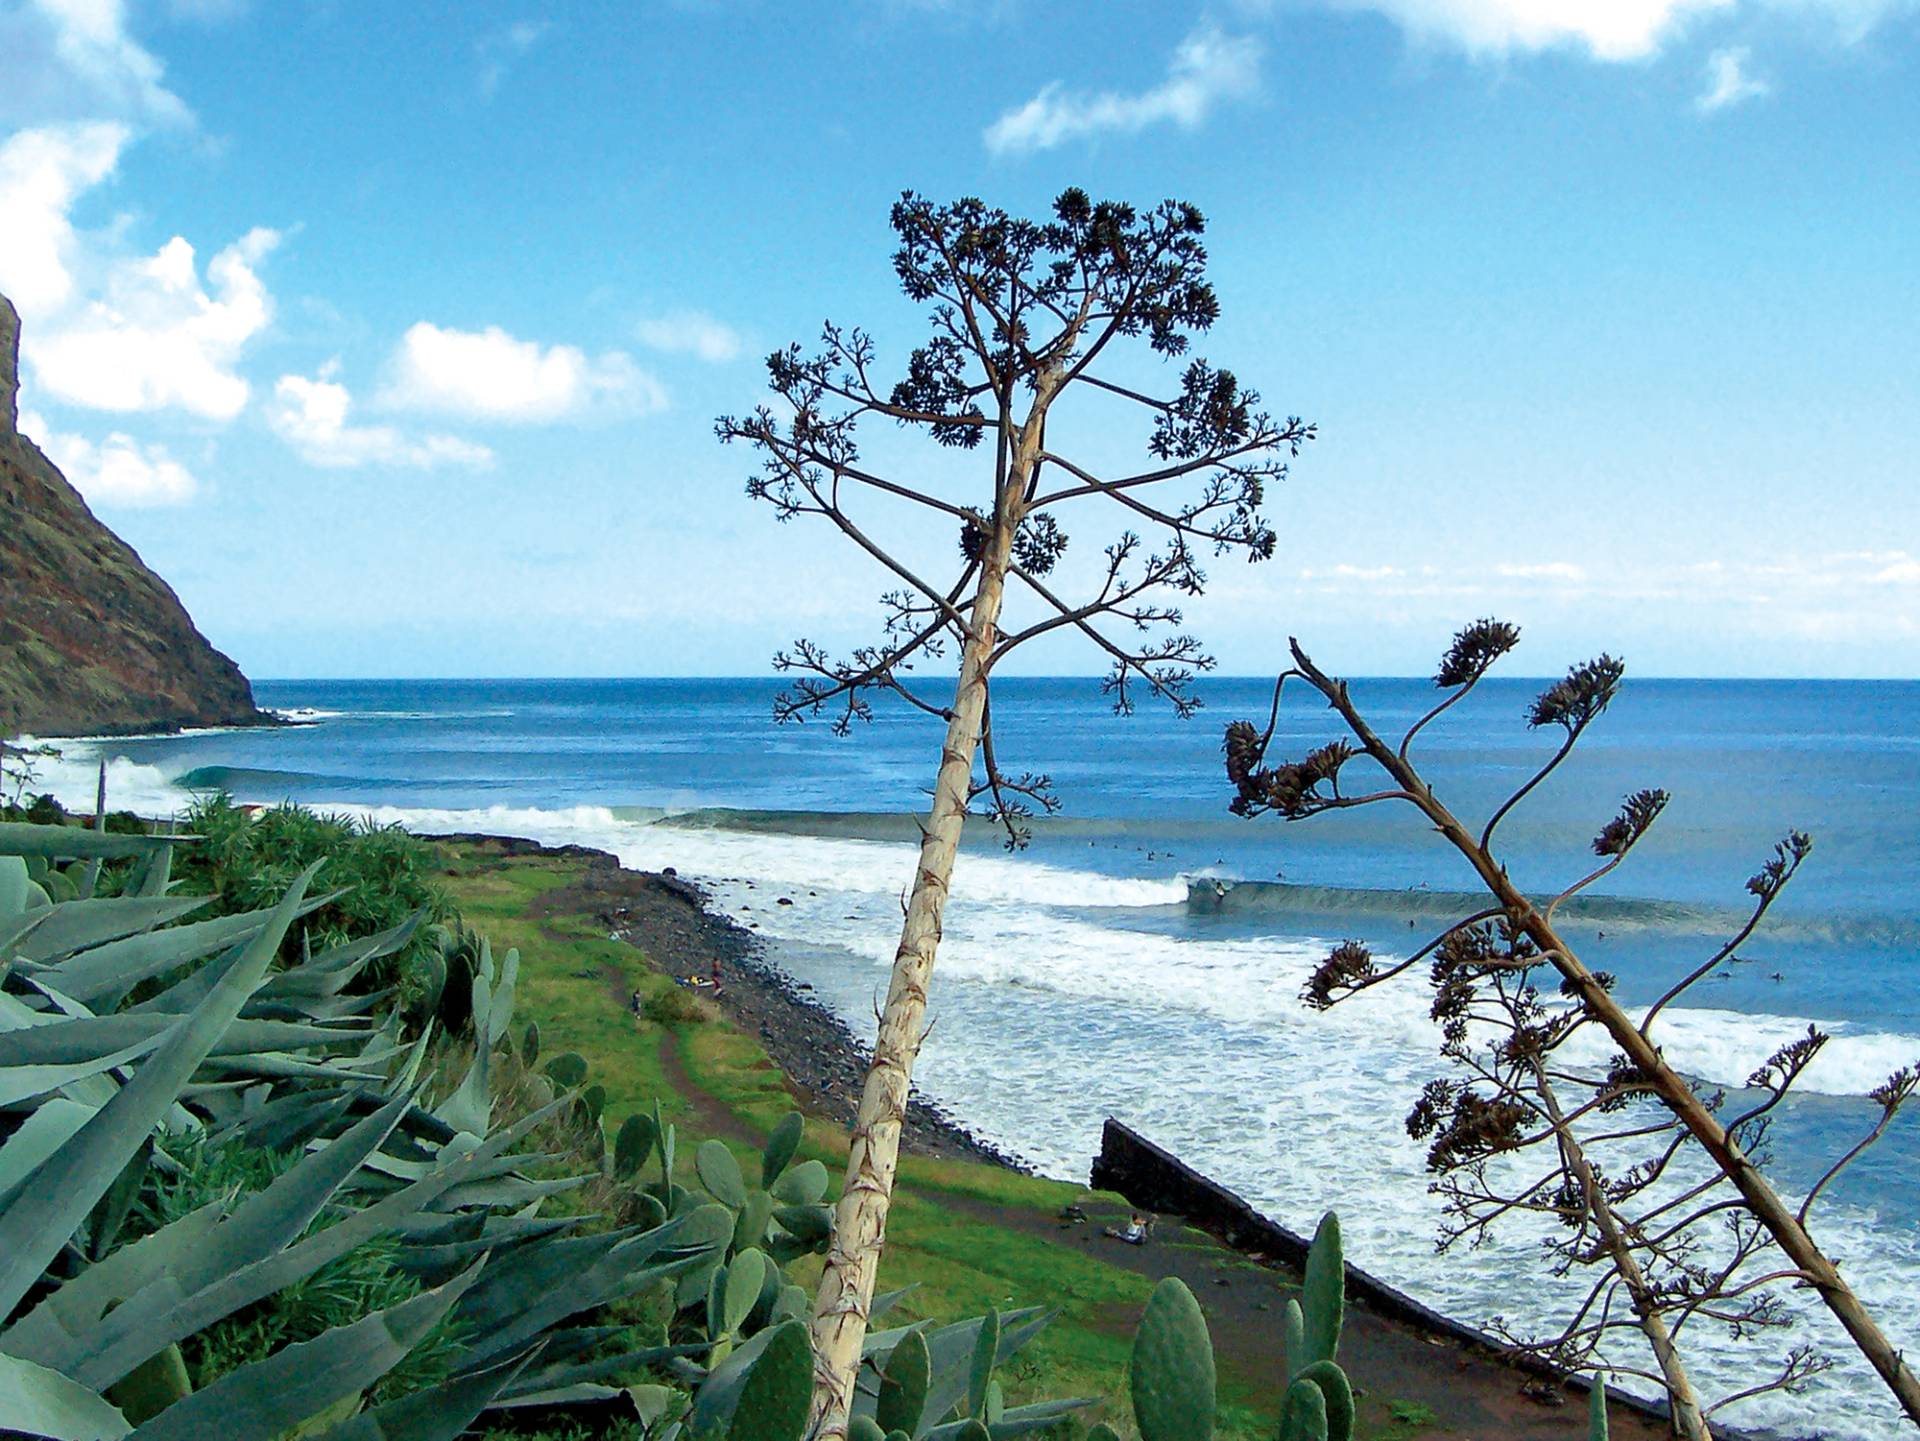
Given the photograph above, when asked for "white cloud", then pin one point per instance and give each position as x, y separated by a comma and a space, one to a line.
1819, 583
61, 59
1208, 67
119, 471
489, 374
1609, 29
311, 416
42, 173
692, 332
1728, 82
156, 337
108, 328
501, 49
1606, 29
1546, 570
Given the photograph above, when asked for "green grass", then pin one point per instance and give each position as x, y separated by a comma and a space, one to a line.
961, 1233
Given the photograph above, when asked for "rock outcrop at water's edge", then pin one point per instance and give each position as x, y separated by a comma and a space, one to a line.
91, 641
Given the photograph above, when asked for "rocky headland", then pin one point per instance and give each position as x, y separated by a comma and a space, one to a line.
92, 642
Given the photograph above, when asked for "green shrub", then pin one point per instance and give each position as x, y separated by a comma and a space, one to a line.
671, 1006
245, 861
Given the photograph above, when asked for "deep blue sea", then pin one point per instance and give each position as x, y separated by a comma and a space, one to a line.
1143, 957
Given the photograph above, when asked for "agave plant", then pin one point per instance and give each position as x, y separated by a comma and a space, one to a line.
225, 1047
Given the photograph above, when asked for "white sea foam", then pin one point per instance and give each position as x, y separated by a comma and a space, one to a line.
1050, 1018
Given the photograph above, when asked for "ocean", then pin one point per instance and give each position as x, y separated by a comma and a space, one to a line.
1143, 957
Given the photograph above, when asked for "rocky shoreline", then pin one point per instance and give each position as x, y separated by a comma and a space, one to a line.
676, 924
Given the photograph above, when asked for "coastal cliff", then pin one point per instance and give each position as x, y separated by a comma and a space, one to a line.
91, 641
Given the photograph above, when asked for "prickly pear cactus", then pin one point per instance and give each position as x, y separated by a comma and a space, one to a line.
1293, 1333
720, 1174
632, 1145
1303, 1417
773, 1403
1323, 1295
904, 1385
1173, 1375
1336, 1392
780, 1147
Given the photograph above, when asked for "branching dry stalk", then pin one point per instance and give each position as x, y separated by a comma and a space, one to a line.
1020, 314
1687, 1231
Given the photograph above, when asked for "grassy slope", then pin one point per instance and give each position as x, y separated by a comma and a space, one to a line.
967, 1235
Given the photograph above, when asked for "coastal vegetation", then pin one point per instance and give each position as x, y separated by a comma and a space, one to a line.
1657, 1185
1023, 316
241, 1193
245, 1191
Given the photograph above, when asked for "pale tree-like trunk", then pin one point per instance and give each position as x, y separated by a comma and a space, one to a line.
860, 1222
1685, 1417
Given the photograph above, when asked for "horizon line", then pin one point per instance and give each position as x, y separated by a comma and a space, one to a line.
1263, 677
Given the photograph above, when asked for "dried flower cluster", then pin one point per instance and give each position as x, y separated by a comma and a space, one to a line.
1655, 1188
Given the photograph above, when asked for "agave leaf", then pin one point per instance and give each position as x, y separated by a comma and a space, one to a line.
534, 1384
42, 1133
688, 1242
288, 1120
120, 965
260, 1400
332, 970
14, 881
14, 927
407, 1077
512, 1283
164, 1312
49, 1333
86, 1038
439, 1413
314, 1008
36, 1401
500, 1009
509, 1191
280, 1066
443, 1258
951, 1349
277, 1216
153, 875
19, 1083
18, 838
39, 1221
470, 1107
78, 925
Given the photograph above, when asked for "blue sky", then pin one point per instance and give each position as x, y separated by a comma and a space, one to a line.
393, 335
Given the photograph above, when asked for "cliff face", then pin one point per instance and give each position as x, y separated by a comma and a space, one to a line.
91, 641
